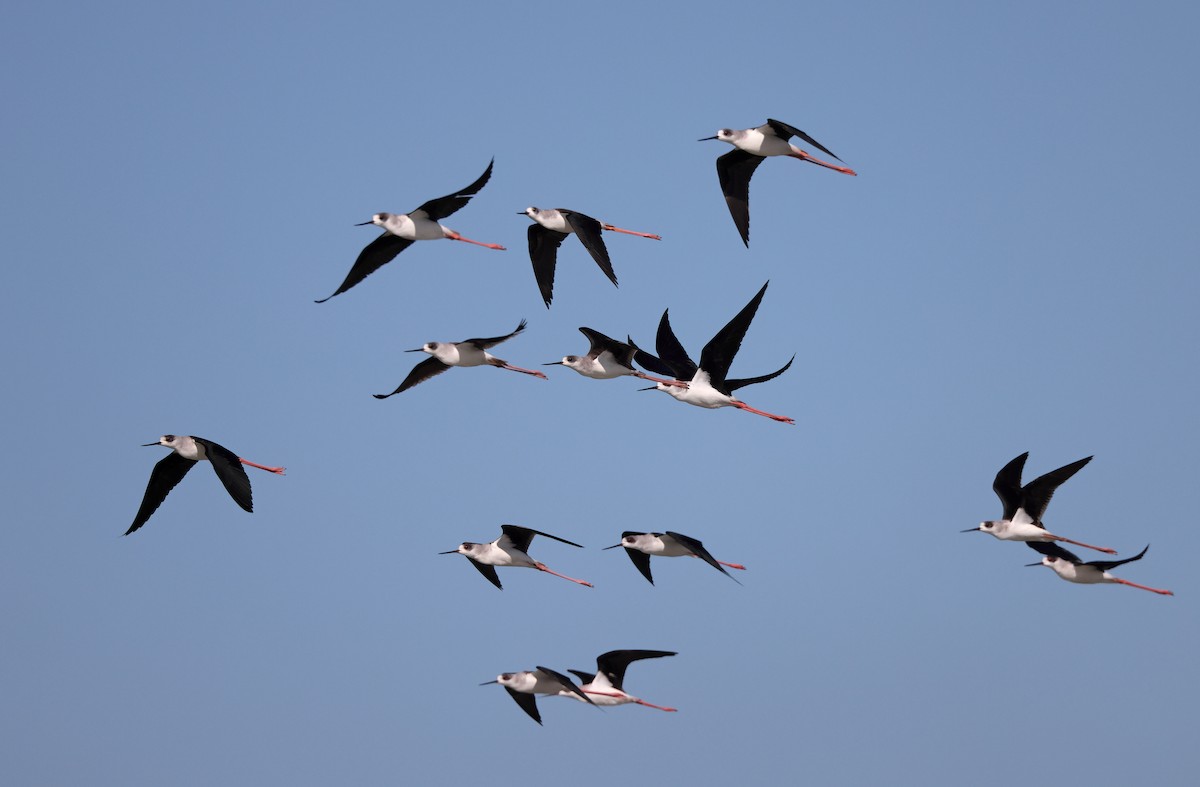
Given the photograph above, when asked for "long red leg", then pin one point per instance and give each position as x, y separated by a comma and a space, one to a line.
512, 368
1105, 550
1142, 587
806, 157
749, 409
456, 236
276, 470
738, 566
645, 376
611, 228
659, 707
542, 567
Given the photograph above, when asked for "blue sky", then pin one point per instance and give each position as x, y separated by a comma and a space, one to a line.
1014, 269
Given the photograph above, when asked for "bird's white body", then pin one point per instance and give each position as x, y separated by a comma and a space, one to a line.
601, 692
184, 446
1078, 573
551, 219
495, 554
534, 682
1019, 528
754, 141
459, 354
604, 366
661, 545
412, 226
699, 392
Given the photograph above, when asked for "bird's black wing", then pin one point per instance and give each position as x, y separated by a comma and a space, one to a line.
168, 472
671, 352
642, 561
528, 703
590, 231
229, 469
783, 131
697, 548
1106, 565
430, 367
522, 536
543, 253
649, 362
598, 343
614, 663
440, 208
566, 682
485, 344
1008, 485
734, 170
1051, 549
718, 354
733, 385
1035, 495
488, 571
374, 256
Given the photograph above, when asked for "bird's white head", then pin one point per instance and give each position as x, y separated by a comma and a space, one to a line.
465, 548
725, 135
168, 440
379, 220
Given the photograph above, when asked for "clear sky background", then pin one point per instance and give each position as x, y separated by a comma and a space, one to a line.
1015, 269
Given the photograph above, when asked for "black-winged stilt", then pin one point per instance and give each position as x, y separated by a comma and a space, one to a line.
401, 229
735, 168
469, 352
1025, 505
605, 686
1094, 572
551, 227
510, 549
522, 686
186, 451
640, 546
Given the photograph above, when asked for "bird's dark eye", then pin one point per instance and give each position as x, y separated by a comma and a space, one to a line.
726, 131
572, 358
506, 676
1051, 559
987, 525
383, 216
433, 345
170, 438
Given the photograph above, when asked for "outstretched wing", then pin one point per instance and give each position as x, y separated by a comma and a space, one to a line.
430, 367
543, 253
718, 354
528, 703
229, 469
485, 344
734, 170
374, 256
1035, 496
440, 208
1008, 485
488, 571
783, 131
590, 233
168, 472
520, 537
733, 385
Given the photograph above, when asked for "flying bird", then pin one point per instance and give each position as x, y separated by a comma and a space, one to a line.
469, 352
707, 385
605, 686
640, 546
510, 549
551, 227
1024, 506
186, 451
401, 229
735, 168
523, 686
1094, 572
606, 359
